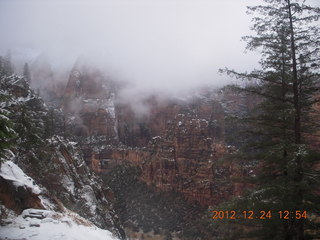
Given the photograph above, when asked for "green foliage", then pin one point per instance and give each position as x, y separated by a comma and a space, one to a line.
6, 131
6, 67
6, 125
22, 113
26, 73
29, 132
53, 123
278, 128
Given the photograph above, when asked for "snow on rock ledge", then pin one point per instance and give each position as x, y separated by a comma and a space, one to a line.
34, 223
13, 173
52, 225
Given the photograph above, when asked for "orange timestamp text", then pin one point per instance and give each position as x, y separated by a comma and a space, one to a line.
286, 215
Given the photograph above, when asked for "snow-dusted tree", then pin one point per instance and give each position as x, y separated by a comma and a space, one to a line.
1, 65
7, 66
26, 73
6, 125
288, 38
6, 131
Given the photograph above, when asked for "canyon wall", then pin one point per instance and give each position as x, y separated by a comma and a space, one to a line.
177, 144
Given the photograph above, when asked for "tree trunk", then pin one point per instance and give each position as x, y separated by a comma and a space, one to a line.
297, 225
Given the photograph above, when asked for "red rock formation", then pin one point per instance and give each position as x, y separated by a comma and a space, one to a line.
185, 144
18, 198
89, 104
136, 131
177, 144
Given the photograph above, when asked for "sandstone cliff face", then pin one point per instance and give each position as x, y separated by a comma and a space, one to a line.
177, 147
88, 104
184, 159
177, 144
136, 131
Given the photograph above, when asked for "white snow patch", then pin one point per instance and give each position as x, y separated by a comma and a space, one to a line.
3, 117
46, 202
110, 107
68, 184
88, 194
54, 226
12, 172
73, 143
81, 164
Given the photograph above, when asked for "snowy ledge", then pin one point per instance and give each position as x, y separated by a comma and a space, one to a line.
13, 173
37, 224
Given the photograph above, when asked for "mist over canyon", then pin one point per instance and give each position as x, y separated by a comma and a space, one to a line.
155, 120
168, 46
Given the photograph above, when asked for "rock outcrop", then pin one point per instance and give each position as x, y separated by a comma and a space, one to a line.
18, 198
54, 163
184, 159
88, 104
177, 143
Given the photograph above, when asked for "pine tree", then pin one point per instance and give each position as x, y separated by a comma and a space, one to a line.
1, 66
6, 125
6, 129
26, 73
288, 38
7, 64
28, 132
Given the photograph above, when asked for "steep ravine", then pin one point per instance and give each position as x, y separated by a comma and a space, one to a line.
55, 163
176, 145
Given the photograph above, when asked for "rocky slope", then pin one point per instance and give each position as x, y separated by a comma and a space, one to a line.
39, 220
53, 162
38, 224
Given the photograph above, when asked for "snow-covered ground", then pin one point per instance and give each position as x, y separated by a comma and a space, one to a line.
52, 226
12, 172
39, 224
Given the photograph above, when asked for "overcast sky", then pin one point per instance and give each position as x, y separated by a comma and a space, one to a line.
151, 43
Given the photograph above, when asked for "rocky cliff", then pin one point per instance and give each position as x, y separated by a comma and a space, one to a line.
184, 150
88, 104
177, 143
60, 178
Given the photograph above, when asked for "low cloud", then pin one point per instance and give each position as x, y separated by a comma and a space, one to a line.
151, 44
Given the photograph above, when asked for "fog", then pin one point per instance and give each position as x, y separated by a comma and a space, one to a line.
151, 44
